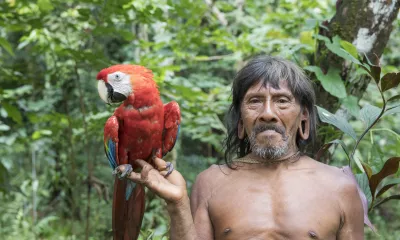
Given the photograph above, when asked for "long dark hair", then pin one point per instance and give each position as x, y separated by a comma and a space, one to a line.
268, 70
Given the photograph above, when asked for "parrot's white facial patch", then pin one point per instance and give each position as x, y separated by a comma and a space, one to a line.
101, 87
120, 82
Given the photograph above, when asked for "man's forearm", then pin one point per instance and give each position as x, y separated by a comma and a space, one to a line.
182, 226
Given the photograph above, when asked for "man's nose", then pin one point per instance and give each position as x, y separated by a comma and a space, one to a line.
268, 113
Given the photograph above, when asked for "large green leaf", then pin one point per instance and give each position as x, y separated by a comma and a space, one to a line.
351, 104
350, 48
335, 47
337, 121
369, 114
362, 181
331, 82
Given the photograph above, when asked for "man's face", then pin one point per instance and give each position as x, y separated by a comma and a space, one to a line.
271, 118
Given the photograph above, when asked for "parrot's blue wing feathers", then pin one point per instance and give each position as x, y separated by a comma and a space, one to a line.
110, 149
129, 188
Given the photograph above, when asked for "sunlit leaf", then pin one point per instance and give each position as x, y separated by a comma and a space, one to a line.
350, 48
336, 48
4, 127
45, 5
369, 114
38, 134
367, 169
337, 121
390, 80
331, 82
7, 46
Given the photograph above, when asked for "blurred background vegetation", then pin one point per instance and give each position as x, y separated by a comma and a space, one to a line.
55, 182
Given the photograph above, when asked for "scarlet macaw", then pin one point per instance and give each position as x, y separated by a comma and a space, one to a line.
142, 127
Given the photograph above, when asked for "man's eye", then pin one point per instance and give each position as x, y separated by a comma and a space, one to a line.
283, 101
254, 100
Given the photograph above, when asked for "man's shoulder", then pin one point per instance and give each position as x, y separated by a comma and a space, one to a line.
337, 177
206, 182
213, 174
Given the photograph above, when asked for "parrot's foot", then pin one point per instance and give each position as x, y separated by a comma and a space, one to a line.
123, 171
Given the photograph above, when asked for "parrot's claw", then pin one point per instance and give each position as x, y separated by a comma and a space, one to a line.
123, 171
169, 168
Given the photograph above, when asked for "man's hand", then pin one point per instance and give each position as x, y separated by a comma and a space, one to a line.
171, 188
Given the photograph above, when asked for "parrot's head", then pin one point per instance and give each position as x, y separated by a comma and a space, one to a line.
115, 83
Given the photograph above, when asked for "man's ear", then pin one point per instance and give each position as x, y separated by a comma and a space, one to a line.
304, 128
240, 130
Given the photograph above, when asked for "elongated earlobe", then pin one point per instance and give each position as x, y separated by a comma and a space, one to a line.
240, 130
304, 129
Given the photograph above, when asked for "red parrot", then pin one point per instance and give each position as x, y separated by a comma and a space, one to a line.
142, 127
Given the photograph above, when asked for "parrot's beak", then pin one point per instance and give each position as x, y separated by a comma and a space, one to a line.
114, 96
107, 93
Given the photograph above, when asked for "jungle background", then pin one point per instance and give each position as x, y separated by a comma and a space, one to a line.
55, 181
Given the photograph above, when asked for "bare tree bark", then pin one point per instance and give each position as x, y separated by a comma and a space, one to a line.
365, 23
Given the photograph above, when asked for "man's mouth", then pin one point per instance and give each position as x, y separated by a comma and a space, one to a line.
269, 133
269, 129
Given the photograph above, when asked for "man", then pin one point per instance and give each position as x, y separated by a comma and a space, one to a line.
270, 190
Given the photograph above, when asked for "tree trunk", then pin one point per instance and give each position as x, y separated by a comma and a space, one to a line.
365, 23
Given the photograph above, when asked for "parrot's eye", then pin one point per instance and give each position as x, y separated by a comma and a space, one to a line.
117, 76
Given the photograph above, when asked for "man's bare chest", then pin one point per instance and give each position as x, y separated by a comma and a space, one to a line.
274, 210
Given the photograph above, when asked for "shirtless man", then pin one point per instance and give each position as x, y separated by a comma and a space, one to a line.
268, 189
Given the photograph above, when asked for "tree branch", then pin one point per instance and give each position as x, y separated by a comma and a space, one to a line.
220, 16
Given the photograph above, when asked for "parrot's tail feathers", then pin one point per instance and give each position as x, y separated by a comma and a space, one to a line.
129, 188
135, 213
127, 214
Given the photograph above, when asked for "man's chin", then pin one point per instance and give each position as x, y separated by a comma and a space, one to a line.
273, 143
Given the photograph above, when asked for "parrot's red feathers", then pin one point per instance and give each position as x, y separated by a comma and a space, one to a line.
102, 75
172, 121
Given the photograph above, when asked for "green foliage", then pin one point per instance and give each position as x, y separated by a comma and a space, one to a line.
368, 180
55, 182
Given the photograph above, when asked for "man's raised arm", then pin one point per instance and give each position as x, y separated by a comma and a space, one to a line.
172, 189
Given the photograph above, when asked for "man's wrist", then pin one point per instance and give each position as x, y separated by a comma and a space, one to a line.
177, 206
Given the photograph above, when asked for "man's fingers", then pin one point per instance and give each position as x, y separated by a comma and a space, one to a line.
136, 177
141, 163
160, 164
